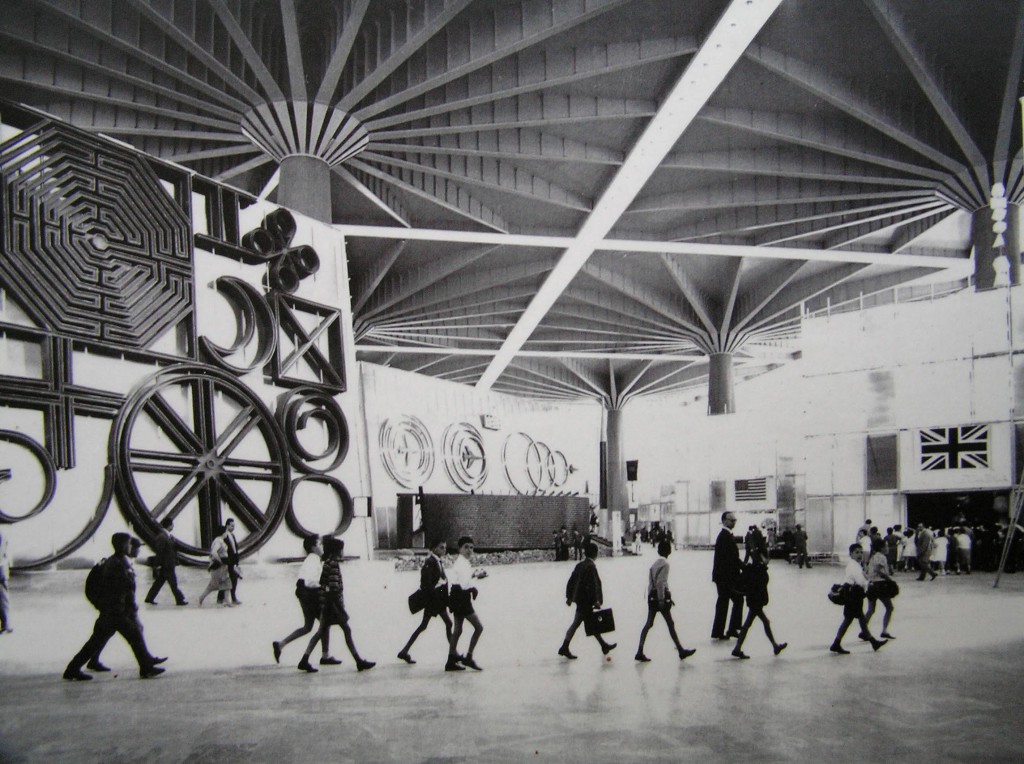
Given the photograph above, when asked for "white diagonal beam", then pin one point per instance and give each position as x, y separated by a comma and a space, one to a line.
731, 36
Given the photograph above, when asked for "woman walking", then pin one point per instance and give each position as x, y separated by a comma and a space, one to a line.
333, 612
659, 600
755, 585
220, 580
880, 588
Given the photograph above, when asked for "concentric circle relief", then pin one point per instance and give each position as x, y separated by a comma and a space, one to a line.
465, 460
406, 450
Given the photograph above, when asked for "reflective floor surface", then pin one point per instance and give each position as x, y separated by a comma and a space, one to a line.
948, 688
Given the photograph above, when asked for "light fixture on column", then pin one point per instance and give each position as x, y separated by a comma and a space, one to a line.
1000, 263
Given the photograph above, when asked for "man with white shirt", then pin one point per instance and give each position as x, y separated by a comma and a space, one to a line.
307, 591
856, 585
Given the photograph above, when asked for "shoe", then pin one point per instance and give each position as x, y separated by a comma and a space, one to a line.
564, 652
404, 656
364, 665
863, 637
607, 647
470, 663
839, 650
158, 661
642, 658
150, 602
277, 652
452, 665
304, 666
236, 602
934, 576
740, 654
732, 635
96, 666
330, 660
780, 647
183, 603
887, 635
6, 630
684, 653
151, 672
722, 638
876, 644
76, 676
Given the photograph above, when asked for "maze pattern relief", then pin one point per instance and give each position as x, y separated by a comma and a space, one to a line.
93, 246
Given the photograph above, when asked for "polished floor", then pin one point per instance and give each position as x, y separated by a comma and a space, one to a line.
948, 688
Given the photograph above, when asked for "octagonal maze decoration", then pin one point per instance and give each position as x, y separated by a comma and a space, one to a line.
93, 246
465, 460
531, 465
407, 450
193, 440
315, 428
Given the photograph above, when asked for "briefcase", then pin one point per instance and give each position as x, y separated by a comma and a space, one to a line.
599, 622
418, 600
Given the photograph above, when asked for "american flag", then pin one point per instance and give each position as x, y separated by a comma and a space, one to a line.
752, 490
954, 448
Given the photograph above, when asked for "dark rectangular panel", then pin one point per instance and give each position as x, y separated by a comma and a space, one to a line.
882, 463
502, 522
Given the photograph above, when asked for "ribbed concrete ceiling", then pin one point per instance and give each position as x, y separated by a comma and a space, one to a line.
841, 154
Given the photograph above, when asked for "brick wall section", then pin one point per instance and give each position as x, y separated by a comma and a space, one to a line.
503, 522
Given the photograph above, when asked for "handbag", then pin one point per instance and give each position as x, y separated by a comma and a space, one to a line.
417, 601
837, 594
599, 622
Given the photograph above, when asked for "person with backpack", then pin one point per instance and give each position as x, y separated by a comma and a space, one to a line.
110, 587
584, 590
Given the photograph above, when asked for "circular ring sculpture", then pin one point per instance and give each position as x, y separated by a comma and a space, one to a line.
297, 410
345, 505
464, 458
407, 450
47, 466
191, 438
531, 465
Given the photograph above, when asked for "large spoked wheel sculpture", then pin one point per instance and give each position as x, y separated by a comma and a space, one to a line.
194, 445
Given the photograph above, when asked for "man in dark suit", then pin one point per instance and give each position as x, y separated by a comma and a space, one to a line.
233, 560
119, 614
165, 564
725, 573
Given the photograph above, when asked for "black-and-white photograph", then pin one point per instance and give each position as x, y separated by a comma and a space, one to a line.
594, 381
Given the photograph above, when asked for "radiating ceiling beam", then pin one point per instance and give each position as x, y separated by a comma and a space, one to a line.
366, 347
895, 28
453, 197
342, 51
731, 35
526, 144
1011, 92
807, 226
397, 57
293, 51
252, 58
565, 68
536, 22
860, 228
241, 169
377, 191
910, 230
648, 247
193, 48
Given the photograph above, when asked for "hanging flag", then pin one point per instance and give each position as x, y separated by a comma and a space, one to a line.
954, 448
751, 490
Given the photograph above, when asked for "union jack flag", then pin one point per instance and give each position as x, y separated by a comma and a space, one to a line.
954, 448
